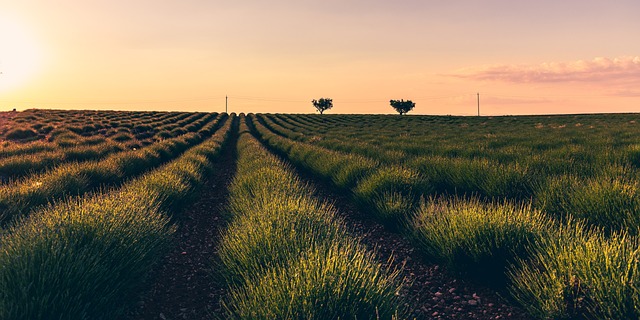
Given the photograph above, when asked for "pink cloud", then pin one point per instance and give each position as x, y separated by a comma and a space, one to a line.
619, 71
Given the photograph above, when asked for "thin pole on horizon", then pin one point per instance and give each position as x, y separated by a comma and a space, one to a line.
226, 104
478, 104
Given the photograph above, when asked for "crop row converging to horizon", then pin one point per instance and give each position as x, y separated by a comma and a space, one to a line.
545, 209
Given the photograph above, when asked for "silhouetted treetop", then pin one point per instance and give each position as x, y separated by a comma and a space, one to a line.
322, 104
402, 106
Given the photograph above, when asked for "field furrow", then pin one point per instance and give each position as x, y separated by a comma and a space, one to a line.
540, 256
431, 290
286, 254
87, 258
18, 198
68, 147
182, 285
193, 215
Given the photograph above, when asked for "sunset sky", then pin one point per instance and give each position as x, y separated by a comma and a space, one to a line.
523, 57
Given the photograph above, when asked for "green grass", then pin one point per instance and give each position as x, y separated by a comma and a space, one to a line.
18, 134
81, 258
392, 192
493, 157
286, 255
553, 200
509, 197
320, 284
22, 165
581, 274
611, 201
21, 196
86, 258
283, 228
9, 149
477, 238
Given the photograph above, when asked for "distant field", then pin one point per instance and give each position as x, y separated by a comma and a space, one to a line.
543, 209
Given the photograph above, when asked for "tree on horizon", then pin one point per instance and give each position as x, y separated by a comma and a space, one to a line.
402, 106
322, 104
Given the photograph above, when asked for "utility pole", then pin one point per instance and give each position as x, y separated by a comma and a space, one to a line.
226, 104
478, 104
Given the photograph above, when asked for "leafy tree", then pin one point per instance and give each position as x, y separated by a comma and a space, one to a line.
322, 104
402, 106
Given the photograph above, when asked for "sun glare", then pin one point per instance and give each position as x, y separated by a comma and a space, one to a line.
20, 54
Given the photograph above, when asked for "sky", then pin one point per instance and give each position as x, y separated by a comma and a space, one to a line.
522, 57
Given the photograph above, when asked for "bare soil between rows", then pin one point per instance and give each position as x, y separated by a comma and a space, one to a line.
431, 291
183, 285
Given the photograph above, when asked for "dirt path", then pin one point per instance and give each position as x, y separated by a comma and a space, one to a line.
431, 292
182, 287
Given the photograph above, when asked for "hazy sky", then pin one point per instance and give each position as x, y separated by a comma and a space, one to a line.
523, 57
